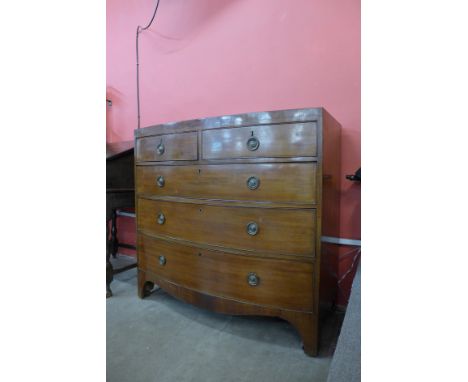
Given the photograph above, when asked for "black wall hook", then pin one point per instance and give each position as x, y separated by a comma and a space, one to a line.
356, 177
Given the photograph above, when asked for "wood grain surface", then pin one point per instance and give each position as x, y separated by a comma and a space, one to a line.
281, 283
280, 231
177, 147
277, 182
199, 190
288, 140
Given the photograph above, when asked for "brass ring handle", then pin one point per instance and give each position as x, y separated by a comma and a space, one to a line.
162, 260
253, 143
161, 218
253, 182
160, 148
253, 279
252, 228
160, 181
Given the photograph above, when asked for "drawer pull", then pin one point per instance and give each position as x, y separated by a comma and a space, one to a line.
160, 148
253, 279
160, 181
252, 228
253, 143
161, 218
162, 260
253, 182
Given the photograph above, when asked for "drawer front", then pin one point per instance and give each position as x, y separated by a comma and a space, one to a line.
283, 231
167, 147
279, 182
279, 283
290, 140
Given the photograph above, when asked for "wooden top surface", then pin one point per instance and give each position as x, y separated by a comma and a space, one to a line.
116, 149
234, 120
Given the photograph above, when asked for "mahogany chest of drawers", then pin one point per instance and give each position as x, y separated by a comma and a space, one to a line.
231, 209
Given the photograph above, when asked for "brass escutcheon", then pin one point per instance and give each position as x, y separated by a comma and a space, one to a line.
253, 279
253, 182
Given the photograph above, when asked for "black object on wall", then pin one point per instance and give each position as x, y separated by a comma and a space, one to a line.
356, 177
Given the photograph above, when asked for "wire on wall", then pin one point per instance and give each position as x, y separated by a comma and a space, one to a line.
139, 30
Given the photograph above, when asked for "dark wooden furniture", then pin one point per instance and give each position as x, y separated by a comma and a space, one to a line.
120, 193
230, 211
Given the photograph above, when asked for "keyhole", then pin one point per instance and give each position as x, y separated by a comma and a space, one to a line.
199, 171
200, 210
251, 134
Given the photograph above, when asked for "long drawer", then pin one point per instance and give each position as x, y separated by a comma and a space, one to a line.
168, 147
288, 140
276, 182
284, 231
279, 283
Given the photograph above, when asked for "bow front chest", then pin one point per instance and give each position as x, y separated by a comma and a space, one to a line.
231, 209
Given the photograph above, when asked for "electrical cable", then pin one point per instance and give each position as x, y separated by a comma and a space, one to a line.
350, 269
355, 253
138, 31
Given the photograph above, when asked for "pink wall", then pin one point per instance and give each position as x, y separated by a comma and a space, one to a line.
205, 58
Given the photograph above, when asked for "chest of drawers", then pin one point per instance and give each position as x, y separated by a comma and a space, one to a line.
231, 209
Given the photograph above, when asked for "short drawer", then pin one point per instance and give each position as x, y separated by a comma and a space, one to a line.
283, 231
275, 182
169, 147
280, 283
276, 141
